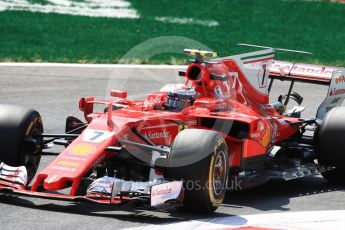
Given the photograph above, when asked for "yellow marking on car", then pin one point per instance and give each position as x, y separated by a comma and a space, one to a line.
215, 202
82, 149
266, 139
182, 127
68, 163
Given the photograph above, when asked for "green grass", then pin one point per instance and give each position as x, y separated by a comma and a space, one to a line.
317, 27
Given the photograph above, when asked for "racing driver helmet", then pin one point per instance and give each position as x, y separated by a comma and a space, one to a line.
180, 98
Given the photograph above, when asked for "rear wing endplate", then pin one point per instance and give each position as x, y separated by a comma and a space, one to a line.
335, 95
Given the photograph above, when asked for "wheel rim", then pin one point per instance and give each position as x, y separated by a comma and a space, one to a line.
31, 155
219, 173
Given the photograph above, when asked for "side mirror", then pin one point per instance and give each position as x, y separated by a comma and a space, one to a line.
86, 107
82, 104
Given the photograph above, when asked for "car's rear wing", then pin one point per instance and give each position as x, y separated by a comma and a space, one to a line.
316, 74
334, 77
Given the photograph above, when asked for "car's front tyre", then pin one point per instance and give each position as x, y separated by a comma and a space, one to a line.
200, 158
20, 143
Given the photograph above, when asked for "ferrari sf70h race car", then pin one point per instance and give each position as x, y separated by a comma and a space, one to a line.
184, 145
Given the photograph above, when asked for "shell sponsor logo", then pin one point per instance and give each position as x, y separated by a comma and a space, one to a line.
82, 149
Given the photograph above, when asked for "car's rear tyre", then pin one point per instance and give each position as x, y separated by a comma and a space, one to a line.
19, 127
335, 175
200, 159
330, 144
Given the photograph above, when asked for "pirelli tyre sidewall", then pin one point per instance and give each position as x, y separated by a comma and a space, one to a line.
18, 127
330, 144
204, 180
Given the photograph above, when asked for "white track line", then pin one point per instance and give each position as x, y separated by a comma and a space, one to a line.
75, 65
191, 21
313, 220
91, 8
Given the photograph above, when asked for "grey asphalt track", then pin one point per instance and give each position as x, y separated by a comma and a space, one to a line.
55, 92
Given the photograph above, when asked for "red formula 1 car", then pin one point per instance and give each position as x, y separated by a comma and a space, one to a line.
186, 144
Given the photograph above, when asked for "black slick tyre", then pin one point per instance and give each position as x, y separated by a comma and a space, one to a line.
200, 158
20, 146
330, 145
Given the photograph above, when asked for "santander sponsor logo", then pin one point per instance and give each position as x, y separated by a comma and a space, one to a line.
157, 135
162, 191
335, 92
312, 70
298, 69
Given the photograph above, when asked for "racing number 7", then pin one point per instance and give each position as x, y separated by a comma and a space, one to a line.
97, 135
